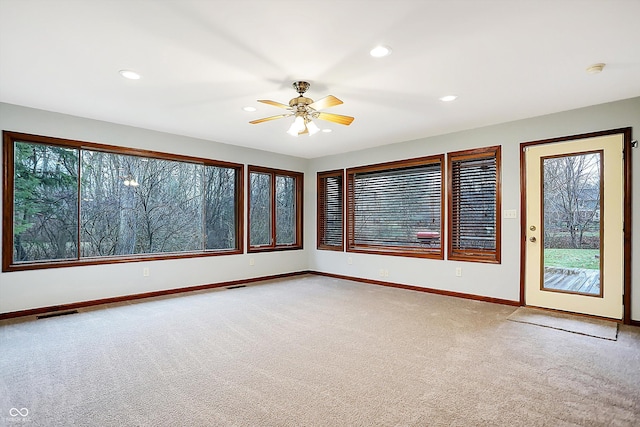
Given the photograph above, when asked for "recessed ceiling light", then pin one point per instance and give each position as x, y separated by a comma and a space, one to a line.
595, 68
448, 98
249, 109
380, 51
327, 130
131, 75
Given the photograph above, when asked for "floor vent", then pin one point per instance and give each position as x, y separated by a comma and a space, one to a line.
61, 313
236, 287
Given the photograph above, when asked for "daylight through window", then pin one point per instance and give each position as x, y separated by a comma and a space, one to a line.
330, 213
396, 208
86, 203
275, 209
474, 205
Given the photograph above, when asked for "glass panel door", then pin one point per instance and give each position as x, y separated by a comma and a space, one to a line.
572, 223
574, 249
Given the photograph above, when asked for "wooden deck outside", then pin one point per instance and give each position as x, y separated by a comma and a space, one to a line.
572, 280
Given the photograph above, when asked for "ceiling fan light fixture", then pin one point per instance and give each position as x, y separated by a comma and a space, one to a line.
312, 128
305, 110
293, 131
297, 126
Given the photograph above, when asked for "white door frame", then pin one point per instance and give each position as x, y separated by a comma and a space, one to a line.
626, 132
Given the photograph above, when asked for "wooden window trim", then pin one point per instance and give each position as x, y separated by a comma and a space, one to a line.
299, 182
320, 214
474, 255
432, 253
9, 139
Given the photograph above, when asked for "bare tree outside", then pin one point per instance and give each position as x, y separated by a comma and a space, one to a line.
260, 209
572, 201
274, 209
285, 210
136, 205
220, 207
129, 204
571, 225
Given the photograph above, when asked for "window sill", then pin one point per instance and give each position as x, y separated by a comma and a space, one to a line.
474, 257
273, 248
40, 265
433, 253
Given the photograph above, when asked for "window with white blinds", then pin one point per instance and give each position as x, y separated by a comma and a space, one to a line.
474, 205
397, 208
330, 210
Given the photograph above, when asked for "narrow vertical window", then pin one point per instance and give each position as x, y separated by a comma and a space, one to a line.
221, 198
285, 210
330, 211
474, 205
260, 209
275, 209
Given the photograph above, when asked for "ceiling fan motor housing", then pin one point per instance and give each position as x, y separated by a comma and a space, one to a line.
300, 101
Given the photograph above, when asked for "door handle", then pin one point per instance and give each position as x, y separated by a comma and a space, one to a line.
532, 239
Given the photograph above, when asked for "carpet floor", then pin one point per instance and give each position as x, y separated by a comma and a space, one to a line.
605, 329
312, 351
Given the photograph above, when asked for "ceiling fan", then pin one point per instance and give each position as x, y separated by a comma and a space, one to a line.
305, 110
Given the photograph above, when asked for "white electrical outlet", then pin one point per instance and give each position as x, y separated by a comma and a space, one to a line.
145, 272
386, 273
458, 271
252, 261
349, 260
382, 272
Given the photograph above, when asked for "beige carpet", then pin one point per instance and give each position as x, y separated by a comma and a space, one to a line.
312, 351
604, 329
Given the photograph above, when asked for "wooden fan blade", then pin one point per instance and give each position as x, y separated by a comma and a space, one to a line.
266, 119
336, 118
274, 103
326, 102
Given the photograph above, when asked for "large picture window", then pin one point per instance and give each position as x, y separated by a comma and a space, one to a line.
397, 208
71, 203
474, 205
330, 212
275, 209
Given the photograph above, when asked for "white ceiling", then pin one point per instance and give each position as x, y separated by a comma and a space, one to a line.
202, 61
